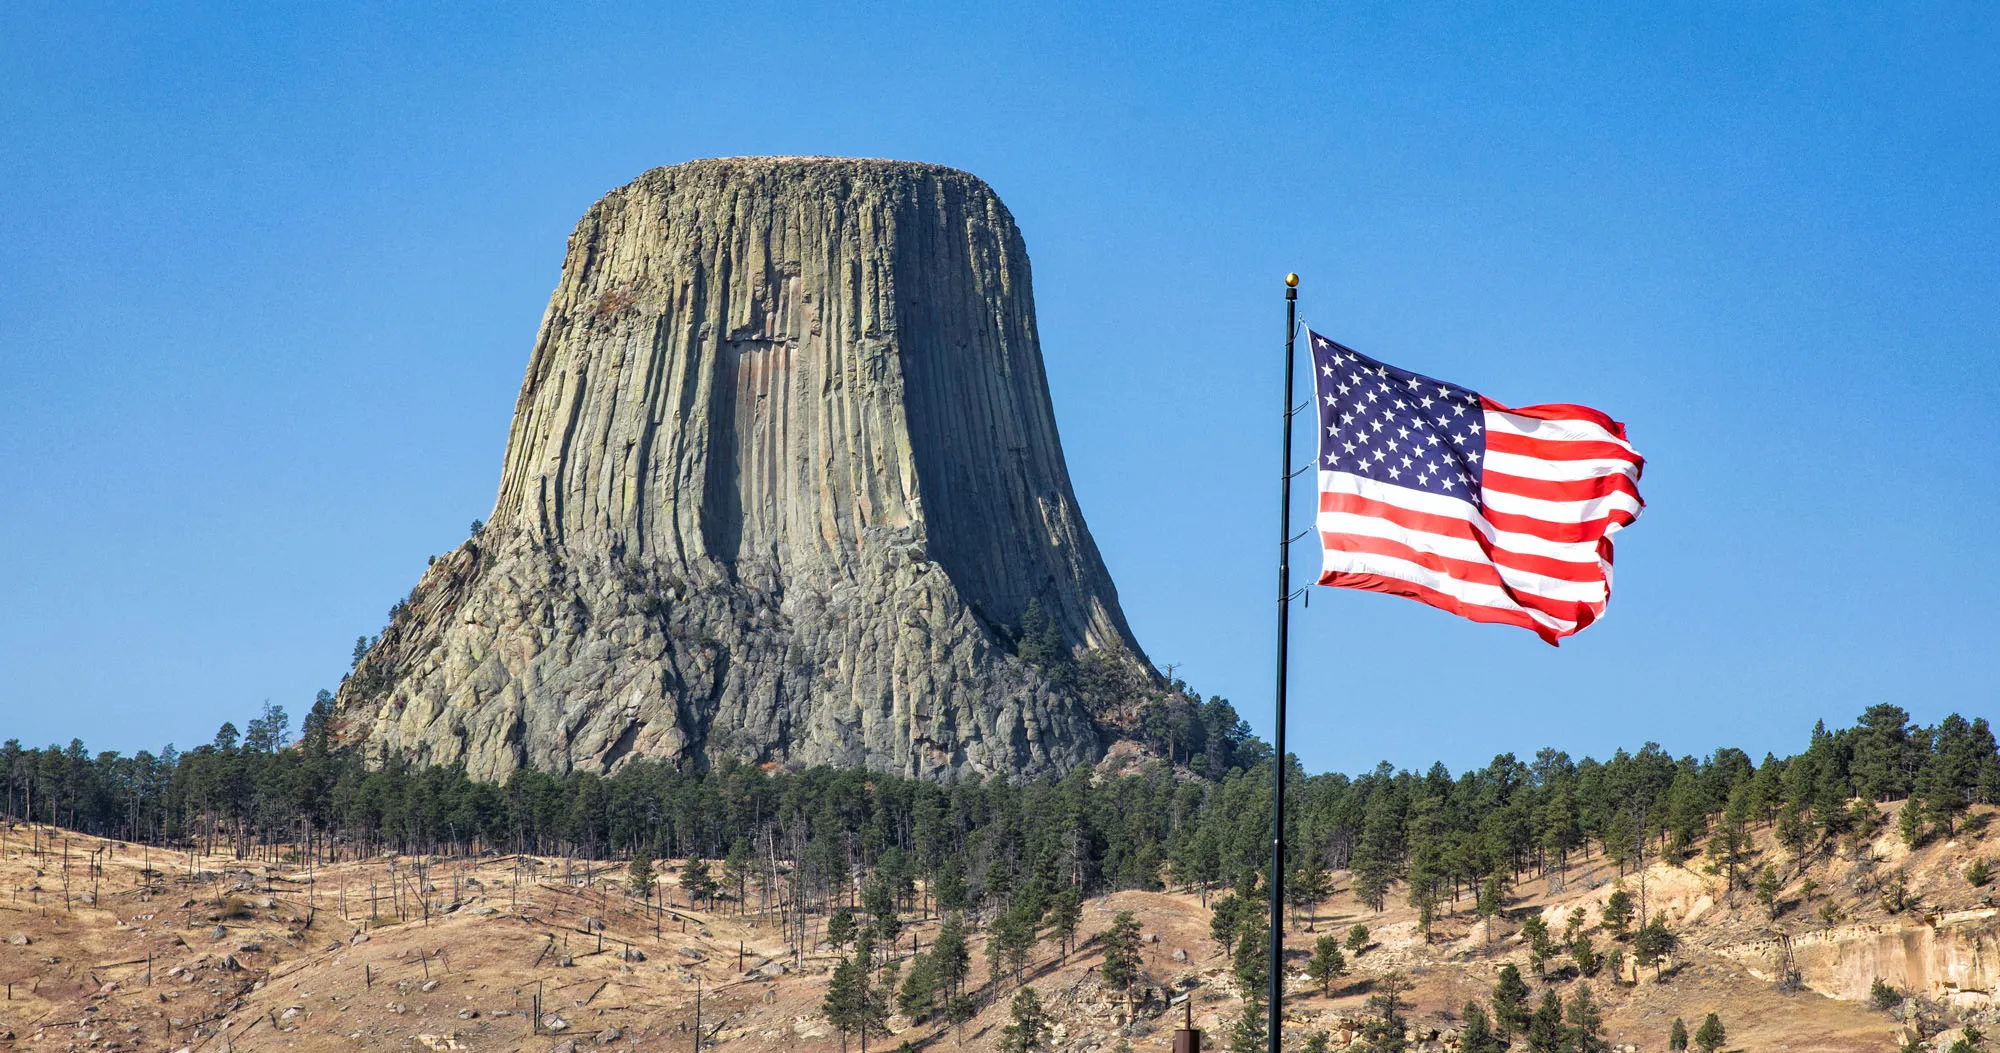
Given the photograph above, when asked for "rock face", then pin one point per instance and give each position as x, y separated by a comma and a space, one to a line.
782, 481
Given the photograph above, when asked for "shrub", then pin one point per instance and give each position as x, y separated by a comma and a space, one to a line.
1979, 874
1884, 997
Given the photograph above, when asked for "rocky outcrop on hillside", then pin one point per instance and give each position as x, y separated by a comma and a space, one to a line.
782, 482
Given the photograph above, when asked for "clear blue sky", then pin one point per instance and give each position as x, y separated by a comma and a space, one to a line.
269, 280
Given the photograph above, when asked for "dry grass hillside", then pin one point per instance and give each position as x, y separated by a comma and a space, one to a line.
111, 946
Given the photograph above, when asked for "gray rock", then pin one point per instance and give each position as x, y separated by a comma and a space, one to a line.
20, 939
609, 1035
219, 933
782, 479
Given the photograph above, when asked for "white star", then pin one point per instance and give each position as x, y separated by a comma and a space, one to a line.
1342, 389
1403, 432
1395, 472
1332, 458
1332, 430
1372, 396
1347, 418
1430, 466
1329, 400
1458, 440
1328, 370
1350, 446
1471, 456
1392, 444
1361, 435
1431, 440
1443, 390
1448, 481
1413, 384
1381, 455
1406, 462
1422, 479
1426, 402
1458, 411
1474, 426
1400, 404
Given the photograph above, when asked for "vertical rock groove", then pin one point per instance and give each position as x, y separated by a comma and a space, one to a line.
782, 477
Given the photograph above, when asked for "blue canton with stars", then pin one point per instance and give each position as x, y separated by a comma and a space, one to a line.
1395, 426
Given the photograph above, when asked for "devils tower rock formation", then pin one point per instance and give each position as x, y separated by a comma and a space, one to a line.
782, 481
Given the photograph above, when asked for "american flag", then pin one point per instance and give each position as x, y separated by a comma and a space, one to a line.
1435, 492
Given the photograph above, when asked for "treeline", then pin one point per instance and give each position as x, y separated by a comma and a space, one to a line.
1436, 836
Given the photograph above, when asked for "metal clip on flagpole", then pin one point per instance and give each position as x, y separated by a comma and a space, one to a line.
1276, 878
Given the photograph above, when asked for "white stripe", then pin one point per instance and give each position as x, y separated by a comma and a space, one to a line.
1516, 580
1464, 591
1456, 508
1556, 430
1561, 511
1559, 471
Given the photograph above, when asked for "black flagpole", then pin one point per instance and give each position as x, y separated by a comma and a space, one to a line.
1277, 875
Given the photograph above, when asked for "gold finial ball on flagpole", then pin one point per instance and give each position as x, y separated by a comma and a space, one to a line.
1292, 280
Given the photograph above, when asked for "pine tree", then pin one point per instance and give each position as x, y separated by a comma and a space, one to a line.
639, 875
840, 928
1026, 1032
1357, 940
1710, 1035
845, 1006
1477, 1035
1374, 862
1065, 914
1224, 917
1121, 952
1510, 1003
736, 870
1545, 1033
1677, 1037
1653, 944
1492, 900
918, 995
1618, 910
1767, 890
697, 882
1327, 964
1586, 1023
949, 951
1248, 1034
1311, 883
1387, 1031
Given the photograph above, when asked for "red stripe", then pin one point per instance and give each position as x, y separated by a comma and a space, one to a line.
1566, 490
1472, 573
1452, 527
1452, 604
1559, 411
1558, 449
1588, 530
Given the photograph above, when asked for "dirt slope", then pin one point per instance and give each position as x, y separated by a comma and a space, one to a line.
131, 949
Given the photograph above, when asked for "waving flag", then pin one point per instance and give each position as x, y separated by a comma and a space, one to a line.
1435, 492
